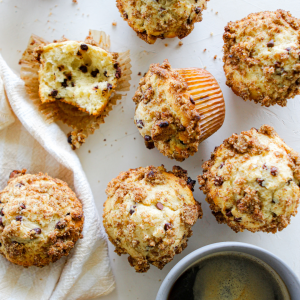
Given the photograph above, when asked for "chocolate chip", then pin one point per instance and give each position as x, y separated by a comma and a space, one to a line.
37, 230
1, 212
139, 124
273, 201
64, 84
230, 55
168, 226
274, 215
218, 181
260, 181
288, 49
70, 139
84, 47
96, 87
78, 53
163, 124
265, 167
83, 69
19, 218
116, 65
19, 184
68, 214
270, 44
109, 86
147, 138
238, 219
221, 165
1, 223
149, 145
22, 205
298, 81
197, 10
69, 76
289, 181
60, 68
279, 71
60, 225
274, 171
191, 183
95, 72
189, 21
54, 93
229, 213
118, 73
132, 209
105, 73
72, 84
192, 100
125, 15
181, 128
181, 142
159, 206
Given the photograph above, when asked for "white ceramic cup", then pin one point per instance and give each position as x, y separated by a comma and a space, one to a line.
290, 279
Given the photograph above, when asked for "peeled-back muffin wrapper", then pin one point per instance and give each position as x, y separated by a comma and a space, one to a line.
82, 123
208, 97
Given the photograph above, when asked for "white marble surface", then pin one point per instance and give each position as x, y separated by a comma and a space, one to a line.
124, 148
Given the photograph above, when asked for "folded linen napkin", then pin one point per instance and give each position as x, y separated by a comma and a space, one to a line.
27, 141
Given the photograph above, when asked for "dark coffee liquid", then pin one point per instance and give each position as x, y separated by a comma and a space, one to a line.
229, 276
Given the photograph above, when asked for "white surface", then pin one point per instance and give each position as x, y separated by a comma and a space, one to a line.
124, 148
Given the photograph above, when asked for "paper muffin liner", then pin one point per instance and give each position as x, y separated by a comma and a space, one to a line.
82, 123
208, 98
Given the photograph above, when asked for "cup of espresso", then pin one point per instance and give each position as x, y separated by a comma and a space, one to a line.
227, 271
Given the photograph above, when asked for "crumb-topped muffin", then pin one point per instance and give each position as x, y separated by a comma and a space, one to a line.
161, 19
165, 113
40, 219
252, 181
261, 57
77, 73
149, 213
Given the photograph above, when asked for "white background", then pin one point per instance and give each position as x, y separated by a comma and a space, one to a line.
124, 147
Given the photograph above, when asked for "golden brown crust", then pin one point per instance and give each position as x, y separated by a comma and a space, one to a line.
161, 19
261, 57
252, 181
149, 213
41, 219
165, 113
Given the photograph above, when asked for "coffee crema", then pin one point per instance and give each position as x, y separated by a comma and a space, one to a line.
229, 275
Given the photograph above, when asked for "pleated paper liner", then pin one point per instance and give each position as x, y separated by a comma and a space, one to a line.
82, 123
208, 98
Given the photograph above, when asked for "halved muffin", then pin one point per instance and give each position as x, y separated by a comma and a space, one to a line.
77, 73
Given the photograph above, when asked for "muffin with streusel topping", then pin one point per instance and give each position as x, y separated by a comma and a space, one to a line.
149, 213
176, 109
261, 57
41, 219
252, 181
161, 19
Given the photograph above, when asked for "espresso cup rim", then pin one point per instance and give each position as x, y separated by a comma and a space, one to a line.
289, 277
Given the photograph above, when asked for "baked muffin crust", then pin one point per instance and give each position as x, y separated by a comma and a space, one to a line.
165, 113
261, 57
252, 181
162, 18
149, 213
40, 219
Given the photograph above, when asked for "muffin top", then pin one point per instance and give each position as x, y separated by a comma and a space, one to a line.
165, 113
149, 213
252, 181
161, 19
77, 73
261, 57
40, 219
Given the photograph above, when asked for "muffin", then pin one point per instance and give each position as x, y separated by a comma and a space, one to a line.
77, 73
149, 213
261, 57
161, 19
40, 219
252, 181
177, 109
77, 83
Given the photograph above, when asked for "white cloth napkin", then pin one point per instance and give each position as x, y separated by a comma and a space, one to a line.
29, 142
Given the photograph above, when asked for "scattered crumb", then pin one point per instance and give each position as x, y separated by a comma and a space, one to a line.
114, 23
216, 12
211, 33
180, 43
204, 50
166, 45
56, 5
50, 13
215, 57
139, 73
98, 180
205, 67
104, 140
74, 1
134, 138
211, 9
89, 151
125, 132
134, 86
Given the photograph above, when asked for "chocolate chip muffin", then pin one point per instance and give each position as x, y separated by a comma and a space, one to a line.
77, 73
149, 213
262, 57
40, 219
252, 181
165, 113
161, 19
